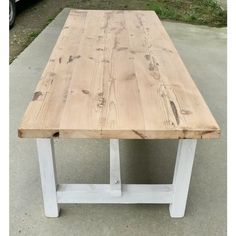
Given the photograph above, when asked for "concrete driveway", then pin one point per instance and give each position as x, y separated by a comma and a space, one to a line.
203, 49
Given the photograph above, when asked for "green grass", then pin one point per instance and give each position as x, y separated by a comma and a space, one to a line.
203, 12
33, 35
206, 12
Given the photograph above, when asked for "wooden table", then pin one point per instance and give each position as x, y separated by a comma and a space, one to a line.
116, 75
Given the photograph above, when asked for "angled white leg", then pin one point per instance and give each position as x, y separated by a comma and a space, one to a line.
115, 180
182, 176
48, 176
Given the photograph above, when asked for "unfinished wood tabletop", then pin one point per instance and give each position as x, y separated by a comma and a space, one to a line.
116, 74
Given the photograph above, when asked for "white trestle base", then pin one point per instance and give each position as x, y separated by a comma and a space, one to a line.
174, 194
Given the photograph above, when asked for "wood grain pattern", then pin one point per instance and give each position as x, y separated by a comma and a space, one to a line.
116, 74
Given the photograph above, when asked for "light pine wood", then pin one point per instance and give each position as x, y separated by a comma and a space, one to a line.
117, 75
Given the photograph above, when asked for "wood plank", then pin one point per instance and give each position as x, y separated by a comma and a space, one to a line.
116, 74
44, 111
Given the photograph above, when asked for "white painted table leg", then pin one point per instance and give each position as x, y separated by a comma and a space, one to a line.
115, 179
182, 176
48, 176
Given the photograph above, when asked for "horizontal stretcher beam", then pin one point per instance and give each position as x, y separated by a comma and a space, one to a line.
101, 193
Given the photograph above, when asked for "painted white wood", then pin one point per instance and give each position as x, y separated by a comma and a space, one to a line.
100, 193
48, 176
182, 176
174, 194
115, 179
